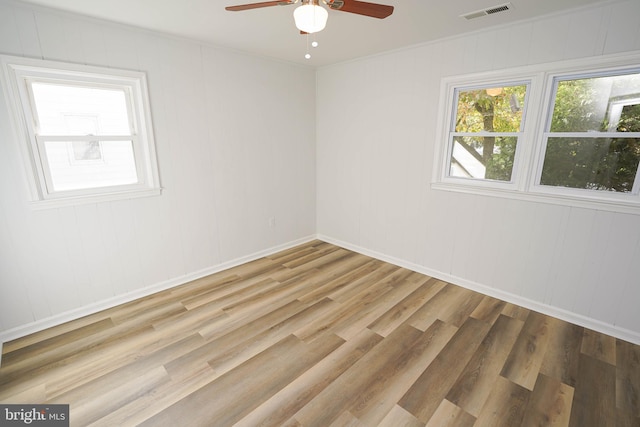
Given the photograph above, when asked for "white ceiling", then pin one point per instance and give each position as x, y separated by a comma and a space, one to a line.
271, 32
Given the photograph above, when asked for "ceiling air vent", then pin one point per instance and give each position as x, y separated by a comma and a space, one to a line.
488, 11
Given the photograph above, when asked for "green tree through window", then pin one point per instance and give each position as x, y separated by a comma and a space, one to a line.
586, 146
487, 124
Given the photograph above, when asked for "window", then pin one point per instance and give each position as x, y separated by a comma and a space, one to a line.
86, 131
565, 133
592, 137
484, 135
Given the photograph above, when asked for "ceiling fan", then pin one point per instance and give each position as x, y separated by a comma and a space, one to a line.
310, 17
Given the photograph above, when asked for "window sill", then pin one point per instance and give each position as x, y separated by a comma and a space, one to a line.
586, 202
90, 199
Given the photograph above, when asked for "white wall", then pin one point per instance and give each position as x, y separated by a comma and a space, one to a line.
376, 125
229, 161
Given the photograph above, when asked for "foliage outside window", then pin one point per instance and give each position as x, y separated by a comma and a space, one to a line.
593, 137
86, 131
565, 133
488, 123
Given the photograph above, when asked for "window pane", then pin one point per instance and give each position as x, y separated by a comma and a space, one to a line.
77, 110
591, 163
601, 104
483, 157
115, 166
490, 109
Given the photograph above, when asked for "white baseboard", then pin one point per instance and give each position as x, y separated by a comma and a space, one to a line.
575, 318
58, 319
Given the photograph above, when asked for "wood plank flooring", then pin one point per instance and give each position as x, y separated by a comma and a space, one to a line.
321, 336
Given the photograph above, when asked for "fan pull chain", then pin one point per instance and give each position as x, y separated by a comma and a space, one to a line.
314, 44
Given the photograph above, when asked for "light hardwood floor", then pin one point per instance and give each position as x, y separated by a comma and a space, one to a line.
321, 336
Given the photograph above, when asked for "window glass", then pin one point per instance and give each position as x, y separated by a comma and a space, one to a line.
86, 150
629, 118
485, 157
608, 164
84, 111
485, 132
496, 109
116, 166
588, 145
76, 110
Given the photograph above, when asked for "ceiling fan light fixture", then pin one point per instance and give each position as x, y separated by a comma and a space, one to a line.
310, 18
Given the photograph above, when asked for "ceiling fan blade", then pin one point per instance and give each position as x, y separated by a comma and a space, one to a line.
373, 10
259, 5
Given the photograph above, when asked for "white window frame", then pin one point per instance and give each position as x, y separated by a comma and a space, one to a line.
531, 147
450, 91
17, 76
631, 198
